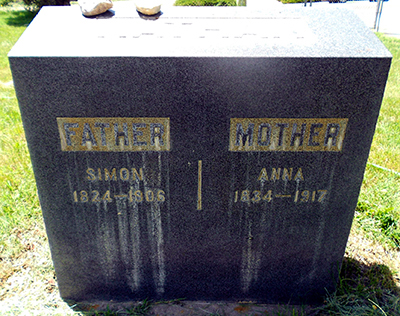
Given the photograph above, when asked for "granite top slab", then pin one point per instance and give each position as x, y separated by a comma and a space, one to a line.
183, 31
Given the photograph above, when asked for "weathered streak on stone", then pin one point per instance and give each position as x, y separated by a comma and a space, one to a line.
126, 223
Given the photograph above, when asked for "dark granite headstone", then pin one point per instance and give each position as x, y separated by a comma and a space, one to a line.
212, 153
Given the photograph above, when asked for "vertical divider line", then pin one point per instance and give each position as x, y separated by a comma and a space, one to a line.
199, 184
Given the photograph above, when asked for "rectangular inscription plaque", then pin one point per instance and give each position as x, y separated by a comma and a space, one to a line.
174, 159
114, 134
257, 134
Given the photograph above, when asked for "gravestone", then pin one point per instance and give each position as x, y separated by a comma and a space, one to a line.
207, 153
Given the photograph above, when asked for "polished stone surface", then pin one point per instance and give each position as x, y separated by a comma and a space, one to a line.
208, 154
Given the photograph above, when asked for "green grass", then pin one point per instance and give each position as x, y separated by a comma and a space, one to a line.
370, 290
363, 290
19, 206
378, 211
386, 145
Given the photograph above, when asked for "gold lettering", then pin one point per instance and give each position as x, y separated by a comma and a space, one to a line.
108, 176
91, 176
124, 174
278, 174
114, 134
287, 175
289, 134
136, 175
263, 175
299, 175
275, 174
115, 174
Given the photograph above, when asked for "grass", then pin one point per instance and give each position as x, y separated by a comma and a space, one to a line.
19, 206
378, 211
367, 284
363, 290
386, 145
371, 289
24, 253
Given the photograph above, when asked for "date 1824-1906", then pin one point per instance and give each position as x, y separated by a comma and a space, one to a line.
133, 196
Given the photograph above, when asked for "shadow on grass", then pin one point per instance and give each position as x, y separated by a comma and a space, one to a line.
373, 278
363, 289
20, 18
